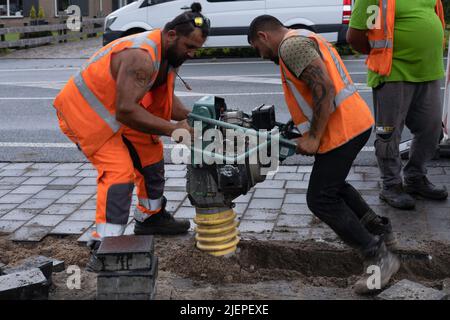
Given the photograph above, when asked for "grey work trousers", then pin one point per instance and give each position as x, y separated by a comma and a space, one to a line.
418, 105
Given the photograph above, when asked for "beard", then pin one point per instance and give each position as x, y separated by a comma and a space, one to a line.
173, 58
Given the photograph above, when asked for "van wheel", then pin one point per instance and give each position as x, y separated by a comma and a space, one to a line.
133, 31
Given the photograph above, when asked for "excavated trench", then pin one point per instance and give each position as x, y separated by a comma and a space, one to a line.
314, 263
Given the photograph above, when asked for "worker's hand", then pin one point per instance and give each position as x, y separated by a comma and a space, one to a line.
184, 133
307, 146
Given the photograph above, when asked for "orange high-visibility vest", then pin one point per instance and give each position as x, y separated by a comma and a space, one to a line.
381, 37
87, 104
351, 115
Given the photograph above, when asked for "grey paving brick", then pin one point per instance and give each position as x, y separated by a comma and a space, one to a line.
367, 169
87, 182
50, 194
36, 203
11, 180
34, 234
90, 204
86, 166
71, 227
176, 196
172, 206
355, 177
408, 290
6, 207
84, 190
301, 185
304, 169
266, 204
365, 185
433, 171
294, 220
256, 226
64, 173
175, 167
38, 181
261, 214
11, 173
175, 174
373, 200
240, 208
69, 166
7, 187
74, 198
43, 165
45, 220
295, 198
185, 212
15, 198
27, 189
271, 184
60, 209
244, 198
37, 173
186, 203
87, 173
294, 209
21, 214
67, 181
17, 166
82, 215
175, 182
3, 164
289, 176
3, 192
287, 168
129, 230
9, 226
269, 193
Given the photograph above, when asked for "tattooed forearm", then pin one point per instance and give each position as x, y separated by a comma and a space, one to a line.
317, 79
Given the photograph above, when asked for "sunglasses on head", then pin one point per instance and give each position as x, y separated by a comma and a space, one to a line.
197, 22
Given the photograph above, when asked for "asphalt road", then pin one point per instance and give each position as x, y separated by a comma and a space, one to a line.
29, 129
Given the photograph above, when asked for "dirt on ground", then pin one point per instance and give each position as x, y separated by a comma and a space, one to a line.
259, 270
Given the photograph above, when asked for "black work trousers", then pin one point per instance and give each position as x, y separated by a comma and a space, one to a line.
337, 203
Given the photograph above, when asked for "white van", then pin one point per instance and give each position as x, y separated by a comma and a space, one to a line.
230, 19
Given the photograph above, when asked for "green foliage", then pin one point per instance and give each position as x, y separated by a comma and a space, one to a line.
41, 13
33, 12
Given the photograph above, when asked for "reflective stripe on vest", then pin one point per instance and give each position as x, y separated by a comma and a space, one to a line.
90, 97
304, 127
96, 104
348, 90
381, 44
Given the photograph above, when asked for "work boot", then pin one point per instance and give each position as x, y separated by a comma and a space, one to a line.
424, 188
388, 264
396, 197
162, 223
94, 264
380, 226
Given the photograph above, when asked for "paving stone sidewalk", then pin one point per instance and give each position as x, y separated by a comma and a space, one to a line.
40, 199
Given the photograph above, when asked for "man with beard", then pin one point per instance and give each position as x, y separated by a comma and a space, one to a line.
335, 124
116, 108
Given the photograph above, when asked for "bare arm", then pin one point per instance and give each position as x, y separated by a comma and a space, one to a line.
317, 79
179, 111
358, 40
133, 70
323, 93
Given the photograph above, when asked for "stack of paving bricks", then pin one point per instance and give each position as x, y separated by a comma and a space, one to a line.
129, 269
29, 281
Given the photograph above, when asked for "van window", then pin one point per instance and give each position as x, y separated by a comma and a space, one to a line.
148, 3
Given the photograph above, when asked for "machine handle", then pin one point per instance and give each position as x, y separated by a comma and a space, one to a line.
283, 141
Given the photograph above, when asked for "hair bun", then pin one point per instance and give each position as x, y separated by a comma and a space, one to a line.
196, 7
